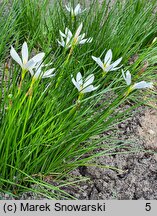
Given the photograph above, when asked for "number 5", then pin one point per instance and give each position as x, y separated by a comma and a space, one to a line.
148, 207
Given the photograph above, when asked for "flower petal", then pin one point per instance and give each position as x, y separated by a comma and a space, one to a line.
88, 40
81, 37
39, 57
48, 73
114, 69
31, 72
77, 9
79, 78
62, 34
108, 68
89, 88
128, 77
143, 84
62, 43
68, 8
38, 73
68, 39
116, 63
88, 80
78, 31
99, 62
69, 33
30, 64
123, 74
108, 57
83, 41
15, 56
24, 53
76, 84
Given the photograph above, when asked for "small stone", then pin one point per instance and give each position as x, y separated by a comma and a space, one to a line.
151, 132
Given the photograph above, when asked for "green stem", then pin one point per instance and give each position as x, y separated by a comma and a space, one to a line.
78, 102
22, 78
104, 73
130, 89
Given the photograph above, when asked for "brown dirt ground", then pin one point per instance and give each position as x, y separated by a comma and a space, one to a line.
139, 177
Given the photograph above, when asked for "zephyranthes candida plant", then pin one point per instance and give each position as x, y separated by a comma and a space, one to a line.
26, 64
35, 64
74, 11
69, 40
107, 64
84, 86
139, 85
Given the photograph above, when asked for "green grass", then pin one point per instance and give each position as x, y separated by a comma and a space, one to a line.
50, 133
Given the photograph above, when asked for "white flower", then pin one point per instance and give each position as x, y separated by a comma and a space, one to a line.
107, 65
127, 77
84, 86
74, 11
37, 71
24, 62
139, 85
68, 40
142, 84
65, 38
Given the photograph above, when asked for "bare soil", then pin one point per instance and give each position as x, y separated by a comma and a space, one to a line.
138, 179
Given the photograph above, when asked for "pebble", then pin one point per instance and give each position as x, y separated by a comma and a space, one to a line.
151, 132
